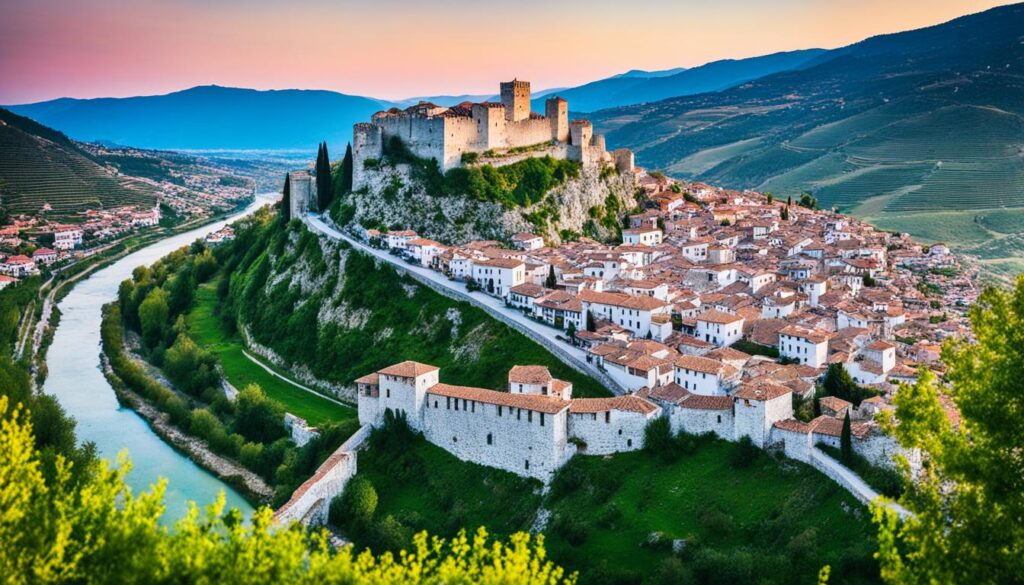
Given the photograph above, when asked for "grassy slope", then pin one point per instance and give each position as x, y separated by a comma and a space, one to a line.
767, 507
403, 321
206, 330
427, 488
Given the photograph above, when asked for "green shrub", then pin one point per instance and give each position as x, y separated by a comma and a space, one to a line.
356, 505
744, 453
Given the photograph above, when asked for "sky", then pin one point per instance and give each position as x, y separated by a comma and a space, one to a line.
393, 49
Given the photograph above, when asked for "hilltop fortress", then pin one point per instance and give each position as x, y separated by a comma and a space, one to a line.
499, 133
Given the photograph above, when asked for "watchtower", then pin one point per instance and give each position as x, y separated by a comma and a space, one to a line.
557, 112
515, 96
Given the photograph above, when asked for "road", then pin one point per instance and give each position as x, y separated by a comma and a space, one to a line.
574, 357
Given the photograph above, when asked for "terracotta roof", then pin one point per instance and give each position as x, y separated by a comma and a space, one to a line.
644, 303
703, 402
528, 289
534, 402
716, 316
813, 335
408, 369
698, 364
833, 403
833, 427
372, 379
671, 392
761, 391
628, 403
793, 425
499, 262
529, 375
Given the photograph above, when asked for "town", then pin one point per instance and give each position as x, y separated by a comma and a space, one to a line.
722, 310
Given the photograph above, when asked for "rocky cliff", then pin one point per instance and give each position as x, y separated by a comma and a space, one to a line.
590, 204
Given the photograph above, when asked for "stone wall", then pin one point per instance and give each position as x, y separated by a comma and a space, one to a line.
609, 432
311, 502
696, 421
300, 431
517, 440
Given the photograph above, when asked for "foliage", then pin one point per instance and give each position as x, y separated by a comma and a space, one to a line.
967, 499
745, 454
257, 417
846, 441
62, 530
551, 281
285, 206
519, 184
837, 382
356, 505
324, 184
749, 347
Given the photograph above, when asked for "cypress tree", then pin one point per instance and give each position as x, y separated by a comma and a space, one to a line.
286, 200
346, 170
845, 442
324, 188
551, 281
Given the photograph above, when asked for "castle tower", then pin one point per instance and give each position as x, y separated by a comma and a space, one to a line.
515, 96
367, 143
581, 131
557, 111
300, 189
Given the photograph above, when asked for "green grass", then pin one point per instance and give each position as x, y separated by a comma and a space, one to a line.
426, 488
205, 328
784, 517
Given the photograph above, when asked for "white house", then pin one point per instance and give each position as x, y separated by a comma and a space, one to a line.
527, 241
18, 266
759, 405
44, 256
643, 315
872, 363
719, 328
808, 346
497, 276
399, 239
423, 250
701, 375
642, 236
6, 281
67, 238
537, 380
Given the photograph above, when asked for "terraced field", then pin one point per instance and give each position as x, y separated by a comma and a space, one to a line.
38, 169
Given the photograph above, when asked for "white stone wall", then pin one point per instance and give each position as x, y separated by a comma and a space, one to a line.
301, 432
608, 432
719, 334
699, 421
804, 350
795, 445
754, 418
406, 395
369, 410
517, 436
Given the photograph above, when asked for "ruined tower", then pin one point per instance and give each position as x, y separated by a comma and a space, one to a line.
557, 112
515, 96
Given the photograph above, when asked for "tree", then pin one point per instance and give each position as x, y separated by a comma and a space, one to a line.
347, 169
769, 197
571, 330
591, 326
286, 199
845, 441
968, 497
838, 383
785, 213
355, 507
153, 315
324, 185
62, 529
258, 418
551, 281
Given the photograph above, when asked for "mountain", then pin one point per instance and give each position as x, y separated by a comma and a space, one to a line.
897, 128
649, 74
211, 117
635, 87
39, 165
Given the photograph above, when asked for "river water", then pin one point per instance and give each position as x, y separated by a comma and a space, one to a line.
76, 380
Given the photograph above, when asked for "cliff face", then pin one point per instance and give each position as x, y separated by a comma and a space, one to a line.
591, 204
329, 314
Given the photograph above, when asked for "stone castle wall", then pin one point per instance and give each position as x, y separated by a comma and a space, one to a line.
617, 432
697, 421
519, 442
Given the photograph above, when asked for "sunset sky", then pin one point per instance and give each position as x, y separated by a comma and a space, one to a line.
401, 48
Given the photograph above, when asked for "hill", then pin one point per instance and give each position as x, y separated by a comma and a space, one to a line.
637, 86
912, 130
210, 117
39, 165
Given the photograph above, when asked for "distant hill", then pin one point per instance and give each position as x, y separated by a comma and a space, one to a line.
210, 117
924, 121
637, 86
39, 165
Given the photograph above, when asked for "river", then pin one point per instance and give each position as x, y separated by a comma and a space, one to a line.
75, 379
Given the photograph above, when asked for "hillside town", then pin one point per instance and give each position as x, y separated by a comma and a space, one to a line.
721, 310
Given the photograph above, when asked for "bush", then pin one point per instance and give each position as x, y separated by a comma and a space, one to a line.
570, 528
658, 441
258, 418
744, 453
355, 507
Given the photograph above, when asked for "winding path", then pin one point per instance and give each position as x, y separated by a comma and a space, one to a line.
546, 336
270, 371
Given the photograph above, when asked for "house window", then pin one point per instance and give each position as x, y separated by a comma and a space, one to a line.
499, 410
490, 439
608, 416
527, 464
719, 418
448, 402
435, 404
519, 414
473, 406
456, 404
455, 439
620, 432
529, 416
389, 393
629, 442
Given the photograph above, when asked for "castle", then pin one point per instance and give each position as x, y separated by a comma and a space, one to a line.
537, 426
503, 132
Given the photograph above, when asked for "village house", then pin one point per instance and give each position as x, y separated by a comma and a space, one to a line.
807, 346
497, 276
18, 266
719, 328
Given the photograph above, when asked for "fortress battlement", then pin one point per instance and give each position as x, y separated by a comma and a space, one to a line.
446, 134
